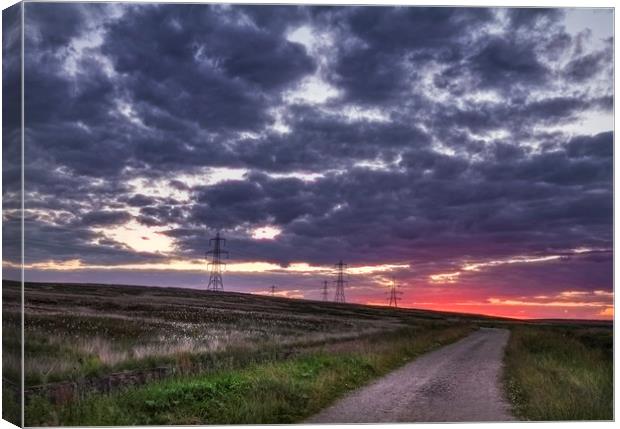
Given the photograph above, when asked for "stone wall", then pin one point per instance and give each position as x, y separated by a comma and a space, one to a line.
67, 391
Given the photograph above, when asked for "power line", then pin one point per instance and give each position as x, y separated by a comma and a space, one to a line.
340, 282
216, 283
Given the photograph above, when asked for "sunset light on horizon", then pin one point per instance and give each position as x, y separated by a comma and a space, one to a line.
369, 283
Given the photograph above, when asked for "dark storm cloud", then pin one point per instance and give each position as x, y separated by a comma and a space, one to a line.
55, 26
11, 71
525, 18
598, 146
275, 18
11, 138
514, 61
87, 96
194, 52
510, 114
224, 77
501, 63
503, 60
11, 103
386, 45
584, 67
587, 161
105, 218
445, 138
70, 117
406, 28
497, 202
572, 273
140, 200
323, 141
161, 214
258, 199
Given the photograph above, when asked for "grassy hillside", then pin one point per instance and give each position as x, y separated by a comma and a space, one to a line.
75, 330
256, 359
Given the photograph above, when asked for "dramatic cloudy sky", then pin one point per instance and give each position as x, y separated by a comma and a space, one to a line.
466, 152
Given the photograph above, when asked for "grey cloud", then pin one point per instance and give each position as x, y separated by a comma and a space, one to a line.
202, 83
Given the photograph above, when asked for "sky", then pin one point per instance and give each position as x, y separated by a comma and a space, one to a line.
462, 153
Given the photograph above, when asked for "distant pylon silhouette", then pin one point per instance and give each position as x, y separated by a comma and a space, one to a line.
216, 283
394, 294
273, 290
340, 282
324, 292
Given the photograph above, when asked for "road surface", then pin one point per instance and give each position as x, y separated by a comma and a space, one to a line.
457, 383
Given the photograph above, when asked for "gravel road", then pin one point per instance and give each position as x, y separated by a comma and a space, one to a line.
457, 383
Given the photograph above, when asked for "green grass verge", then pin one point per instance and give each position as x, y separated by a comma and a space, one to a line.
11, 411
559, 373
284, 391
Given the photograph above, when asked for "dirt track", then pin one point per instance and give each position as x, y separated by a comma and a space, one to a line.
457, 383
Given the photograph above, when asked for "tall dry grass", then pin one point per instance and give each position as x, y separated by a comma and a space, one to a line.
555, 373
273, 391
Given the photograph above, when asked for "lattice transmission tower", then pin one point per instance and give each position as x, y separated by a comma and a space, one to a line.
340, 282
272, 289
216, 283
324, 291
395, 294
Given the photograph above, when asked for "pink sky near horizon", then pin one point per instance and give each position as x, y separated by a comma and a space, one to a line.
473, 292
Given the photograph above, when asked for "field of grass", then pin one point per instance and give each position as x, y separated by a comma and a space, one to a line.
74, 331
11, 409
560, 372
283, 391
256, 359
11, 355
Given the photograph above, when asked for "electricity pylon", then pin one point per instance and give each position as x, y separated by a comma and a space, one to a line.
324, 292
215, 266
394, 294
273, 290
340, 282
